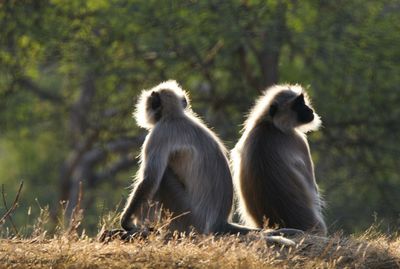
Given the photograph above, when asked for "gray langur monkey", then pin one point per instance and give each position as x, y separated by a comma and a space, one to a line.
272, 165
183, 166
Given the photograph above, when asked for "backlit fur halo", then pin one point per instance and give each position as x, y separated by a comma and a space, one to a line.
144, 115
260, 111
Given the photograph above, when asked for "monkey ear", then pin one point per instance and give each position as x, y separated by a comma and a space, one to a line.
273, 109
299, 100
184, 102
155, 100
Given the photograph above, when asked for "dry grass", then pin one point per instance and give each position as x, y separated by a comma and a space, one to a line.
65, 249
367, 251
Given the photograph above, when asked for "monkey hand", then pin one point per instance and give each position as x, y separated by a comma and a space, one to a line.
137, 232
109, 235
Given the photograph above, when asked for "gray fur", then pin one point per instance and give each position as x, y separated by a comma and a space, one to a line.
184, 167
272, 166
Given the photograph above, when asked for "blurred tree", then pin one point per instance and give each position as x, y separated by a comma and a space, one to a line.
353, 63
70, 72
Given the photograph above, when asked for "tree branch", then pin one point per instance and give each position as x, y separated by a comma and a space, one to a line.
14, 205
6, 207
27, 84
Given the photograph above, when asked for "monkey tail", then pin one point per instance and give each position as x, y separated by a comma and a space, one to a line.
271, 236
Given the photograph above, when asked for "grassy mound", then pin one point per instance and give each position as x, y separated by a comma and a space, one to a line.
366, 251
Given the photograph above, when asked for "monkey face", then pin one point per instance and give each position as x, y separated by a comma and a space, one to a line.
290, 110
304, 113
287, 107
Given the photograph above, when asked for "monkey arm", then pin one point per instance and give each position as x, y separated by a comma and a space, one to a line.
150, 175
140, 195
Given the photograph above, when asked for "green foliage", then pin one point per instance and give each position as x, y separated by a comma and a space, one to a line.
70, 72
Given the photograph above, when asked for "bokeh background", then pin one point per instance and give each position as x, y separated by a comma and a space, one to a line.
70, 73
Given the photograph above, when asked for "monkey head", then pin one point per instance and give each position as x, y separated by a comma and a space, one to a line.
290, 108
164, 100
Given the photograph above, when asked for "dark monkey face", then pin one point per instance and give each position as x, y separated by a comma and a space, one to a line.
287, 107
304, 113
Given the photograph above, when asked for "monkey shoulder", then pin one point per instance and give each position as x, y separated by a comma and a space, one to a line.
199, 134
174, 136
264, 137
283, 149
172, 129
